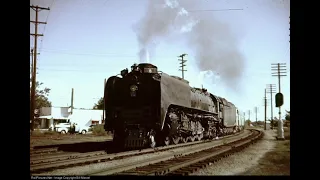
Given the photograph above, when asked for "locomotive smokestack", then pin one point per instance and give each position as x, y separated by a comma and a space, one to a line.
147, 56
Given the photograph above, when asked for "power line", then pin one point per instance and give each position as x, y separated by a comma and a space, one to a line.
44, 29
73, 70
208, 10
98, 54
90, 54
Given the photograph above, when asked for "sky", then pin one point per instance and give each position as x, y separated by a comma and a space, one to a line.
231, 45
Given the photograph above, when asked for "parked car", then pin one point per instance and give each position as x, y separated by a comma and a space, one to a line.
63, 127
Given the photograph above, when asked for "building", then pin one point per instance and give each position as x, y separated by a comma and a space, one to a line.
48, 116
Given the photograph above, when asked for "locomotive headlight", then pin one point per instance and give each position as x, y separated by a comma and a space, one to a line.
150, 70
133, 88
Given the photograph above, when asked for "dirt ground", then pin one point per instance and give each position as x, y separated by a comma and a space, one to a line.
44, 139
266, 157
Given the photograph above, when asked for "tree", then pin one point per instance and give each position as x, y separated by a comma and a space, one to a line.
287, 117
41, 96
99, 104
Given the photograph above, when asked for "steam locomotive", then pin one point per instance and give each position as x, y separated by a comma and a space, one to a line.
148, 108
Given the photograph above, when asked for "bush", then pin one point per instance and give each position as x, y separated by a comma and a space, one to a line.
98, 130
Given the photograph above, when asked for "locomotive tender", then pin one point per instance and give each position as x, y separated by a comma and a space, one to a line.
148, 108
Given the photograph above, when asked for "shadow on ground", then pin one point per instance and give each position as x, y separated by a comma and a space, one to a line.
80, 147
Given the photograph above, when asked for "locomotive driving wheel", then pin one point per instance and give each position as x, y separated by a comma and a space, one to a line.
176, 139
192, 138
152, 141
184, 139
196, 138
200, 136
167, 141
214, 133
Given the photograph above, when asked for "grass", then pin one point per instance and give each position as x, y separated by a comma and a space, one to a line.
275, 162
99, 130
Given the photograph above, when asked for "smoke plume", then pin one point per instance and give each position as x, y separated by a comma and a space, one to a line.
216, 50
213, 44
163, 18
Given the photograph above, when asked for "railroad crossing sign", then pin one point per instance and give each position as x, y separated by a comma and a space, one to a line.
279, 99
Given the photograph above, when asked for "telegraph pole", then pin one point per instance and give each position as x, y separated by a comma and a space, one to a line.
244, 117
238, 118
71, 100
182, 64
280, 71
265, 109
271, 90
256, 111
31, 63
33, 87
104, 101
32, 54
289, 28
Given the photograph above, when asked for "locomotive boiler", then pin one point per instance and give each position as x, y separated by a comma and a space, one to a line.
148, 108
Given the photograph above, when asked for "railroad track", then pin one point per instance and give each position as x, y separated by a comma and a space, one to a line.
40, 164
43, 151
184, 164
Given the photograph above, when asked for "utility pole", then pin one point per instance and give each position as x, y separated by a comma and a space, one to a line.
71, 101
244, 117
280, 71
32, 61
104, 101
238, 117
33, 87
265, 109
256, 111
272, 89
182, 64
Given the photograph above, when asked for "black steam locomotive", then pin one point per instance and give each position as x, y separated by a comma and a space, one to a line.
148, 108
